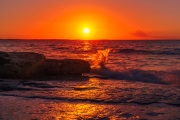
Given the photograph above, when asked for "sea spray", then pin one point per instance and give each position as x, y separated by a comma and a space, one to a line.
98, 67
100, 58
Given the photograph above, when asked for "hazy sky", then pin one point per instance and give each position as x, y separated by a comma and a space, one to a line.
106, 19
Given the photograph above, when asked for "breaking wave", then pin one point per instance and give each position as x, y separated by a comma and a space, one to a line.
134, 75
101, 57
99, 68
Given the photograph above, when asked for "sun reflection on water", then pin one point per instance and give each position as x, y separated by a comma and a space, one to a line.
87, 46
86, 111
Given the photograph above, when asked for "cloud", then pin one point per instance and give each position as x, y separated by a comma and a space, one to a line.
140, 33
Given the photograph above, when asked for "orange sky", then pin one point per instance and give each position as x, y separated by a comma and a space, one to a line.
106, 19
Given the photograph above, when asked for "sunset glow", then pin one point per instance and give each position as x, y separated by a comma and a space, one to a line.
89, 59
105, 19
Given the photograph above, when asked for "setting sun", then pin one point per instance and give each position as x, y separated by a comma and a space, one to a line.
89, 59
86, 31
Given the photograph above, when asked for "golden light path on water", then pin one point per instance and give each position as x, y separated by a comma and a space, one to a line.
91, 99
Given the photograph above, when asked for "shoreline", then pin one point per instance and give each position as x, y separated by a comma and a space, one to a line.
54, 100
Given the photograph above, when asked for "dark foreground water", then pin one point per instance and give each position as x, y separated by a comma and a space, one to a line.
136, 80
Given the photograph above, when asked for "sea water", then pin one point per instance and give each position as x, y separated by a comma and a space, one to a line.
128, 80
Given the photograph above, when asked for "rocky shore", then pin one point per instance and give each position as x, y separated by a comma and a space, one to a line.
15, 65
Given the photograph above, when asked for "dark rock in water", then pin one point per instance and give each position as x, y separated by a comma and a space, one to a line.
19, 64
8, 86
53, 67
28, 64
4, 58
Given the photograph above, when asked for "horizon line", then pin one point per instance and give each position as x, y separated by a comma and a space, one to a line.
86, 39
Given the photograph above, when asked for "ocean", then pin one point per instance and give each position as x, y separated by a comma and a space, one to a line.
129, 80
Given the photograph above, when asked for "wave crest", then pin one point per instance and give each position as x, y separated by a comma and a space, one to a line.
101, 57
135, 75
155, 52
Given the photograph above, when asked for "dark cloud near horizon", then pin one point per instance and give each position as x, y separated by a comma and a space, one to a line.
140, 33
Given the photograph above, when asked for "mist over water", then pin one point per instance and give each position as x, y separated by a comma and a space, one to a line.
145, 61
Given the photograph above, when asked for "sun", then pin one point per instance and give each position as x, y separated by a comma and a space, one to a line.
86, 31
